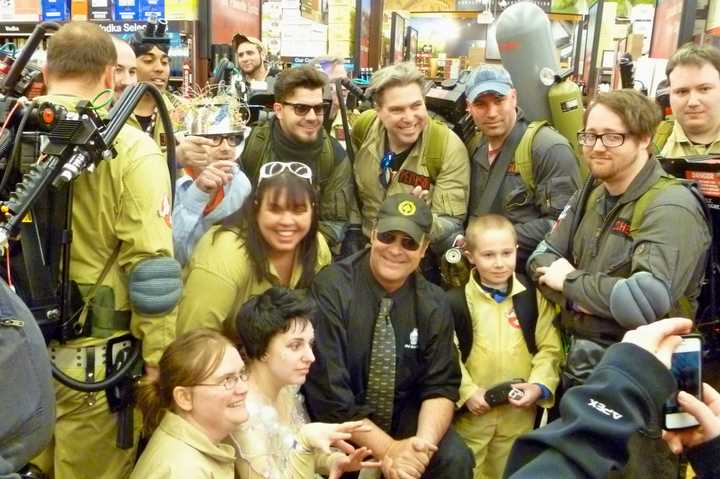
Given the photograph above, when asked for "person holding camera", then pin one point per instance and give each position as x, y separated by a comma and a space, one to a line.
623, 397
121, 251
295, 134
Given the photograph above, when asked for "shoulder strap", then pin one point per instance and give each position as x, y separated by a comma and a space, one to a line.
662, 133
252, 155
461, 317
90, 298
647, 198
435, 148
361, 127
326, 162
473, 142
523, 154
525, 305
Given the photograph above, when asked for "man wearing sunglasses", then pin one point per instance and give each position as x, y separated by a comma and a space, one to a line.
612, 269
295, 134
378, 293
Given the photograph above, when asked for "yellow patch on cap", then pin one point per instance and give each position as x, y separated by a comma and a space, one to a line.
406, 208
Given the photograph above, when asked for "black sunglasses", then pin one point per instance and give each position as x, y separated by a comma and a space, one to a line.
407, 242
301, 109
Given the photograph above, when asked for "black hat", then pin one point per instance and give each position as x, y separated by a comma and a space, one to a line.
407, 213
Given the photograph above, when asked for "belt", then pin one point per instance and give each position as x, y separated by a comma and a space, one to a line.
68, 357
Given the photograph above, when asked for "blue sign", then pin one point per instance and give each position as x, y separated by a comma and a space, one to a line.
55, 10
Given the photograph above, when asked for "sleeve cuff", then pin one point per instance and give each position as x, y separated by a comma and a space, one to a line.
545, 392
195, 200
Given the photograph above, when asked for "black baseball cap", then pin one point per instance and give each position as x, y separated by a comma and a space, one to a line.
406, 213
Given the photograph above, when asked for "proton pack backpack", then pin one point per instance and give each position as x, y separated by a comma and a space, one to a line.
434, 152
524, 304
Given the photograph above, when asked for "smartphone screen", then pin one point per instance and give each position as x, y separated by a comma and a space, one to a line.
687, 369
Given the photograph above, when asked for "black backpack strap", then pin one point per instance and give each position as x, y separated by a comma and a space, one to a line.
525, 305
463, 323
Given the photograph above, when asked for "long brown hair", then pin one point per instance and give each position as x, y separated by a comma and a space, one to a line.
298, 191
187, 361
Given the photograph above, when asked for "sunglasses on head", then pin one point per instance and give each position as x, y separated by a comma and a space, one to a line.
274, 168
406, 242
301, 109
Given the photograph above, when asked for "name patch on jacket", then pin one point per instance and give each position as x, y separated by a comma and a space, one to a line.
621, 227
413, 179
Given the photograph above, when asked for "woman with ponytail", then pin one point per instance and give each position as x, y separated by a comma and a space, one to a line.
197, 400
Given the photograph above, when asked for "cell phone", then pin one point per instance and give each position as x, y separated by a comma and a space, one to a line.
686, 367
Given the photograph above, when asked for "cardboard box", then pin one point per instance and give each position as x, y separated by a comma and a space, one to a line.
476, 56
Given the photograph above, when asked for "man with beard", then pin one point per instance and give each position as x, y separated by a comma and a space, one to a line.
694, 76
250, 57
295, 133
627, 252
126, 68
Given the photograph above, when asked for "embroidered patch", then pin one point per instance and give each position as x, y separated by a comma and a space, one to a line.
406, 208
512, 168
512, 319
164, 211
621, 227
411, 178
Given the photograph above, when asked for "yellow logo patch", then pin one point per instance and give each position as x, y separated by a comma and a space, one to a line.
406, 208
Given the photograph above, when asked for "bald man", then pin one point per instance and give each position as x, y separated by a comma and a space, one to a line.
125, 72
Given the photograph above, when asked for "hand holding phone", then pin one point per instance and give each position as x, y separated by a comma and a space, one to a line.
686, 367
706, 411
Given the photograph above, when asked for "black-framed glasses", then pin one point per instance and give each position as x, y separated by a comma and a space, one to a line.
233, 139
406, 242
301, 109
609, 140
231, 382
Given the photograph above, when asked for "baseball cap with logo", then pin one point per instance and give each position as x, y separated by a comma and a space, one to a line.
488, 79
406, 213
240, 38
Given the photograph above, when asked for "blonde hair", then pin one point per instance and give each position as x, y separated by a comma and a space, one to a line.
187, 361
479, 224
400, 74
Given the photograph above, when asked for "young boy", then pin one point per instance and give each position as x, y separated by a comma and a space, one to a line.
500, 351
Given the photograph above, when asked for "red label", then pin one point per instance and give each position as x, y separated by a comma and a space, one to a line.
621, 227
413, 179
708, 182
508, 46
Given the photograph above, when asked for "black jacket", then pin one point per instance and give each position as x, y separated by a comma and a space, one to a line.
624, 395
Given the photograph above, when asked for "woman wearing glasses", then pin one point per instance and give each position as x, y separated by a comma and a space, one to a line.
272, 240
277, 340
198, 399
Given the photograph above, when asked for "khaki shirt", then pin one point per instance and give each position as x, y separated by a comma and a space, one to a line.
679, 146
448, 192
498, 340
125, 200
180, 450
219, 279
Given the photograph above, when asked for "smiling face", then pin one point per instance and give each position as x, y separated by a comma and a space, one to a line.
290, 354
392, 264
154, 67
300, 128
493, 253
695, 98
283, 225
616, 165
402, 111
213, 408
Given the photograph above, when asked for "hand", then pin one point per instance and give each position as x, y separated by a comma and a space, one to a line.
354, 461
421, 194
215, 176
707, 412
476, 403
553, 276
532, 392
193, 152
659, 338
320, 435
407, 458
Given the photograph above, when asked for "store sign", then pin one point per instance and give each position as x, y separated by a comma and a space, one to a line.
122, 27
17, 28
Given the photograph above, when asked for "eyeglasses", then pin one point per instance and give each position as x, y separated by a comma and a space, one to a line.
609, 140
274, 168
301, 109
232, 139
406, 242
230, 382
